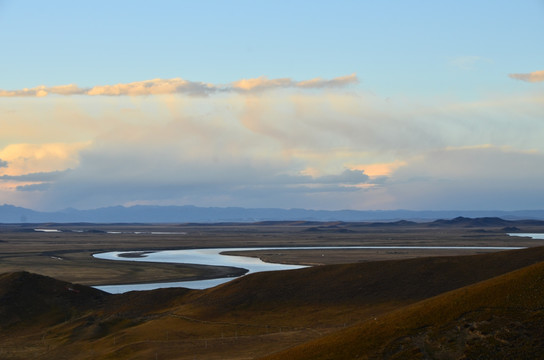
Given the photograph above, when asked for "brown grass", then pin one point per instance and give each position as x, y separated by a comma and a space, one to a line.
500, 318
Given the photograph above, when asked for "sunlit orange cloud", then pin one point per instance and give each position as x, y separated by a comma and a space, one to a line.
536, 76
31, 158
380, 169
263, 83
42, 90
323, 83
154, 87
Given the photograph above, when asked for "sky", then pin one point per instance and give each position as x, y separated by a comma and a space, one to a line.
368, 105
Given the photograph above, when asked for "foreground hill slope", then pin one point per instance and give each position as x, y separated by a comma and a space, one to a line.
500, 318
367, 283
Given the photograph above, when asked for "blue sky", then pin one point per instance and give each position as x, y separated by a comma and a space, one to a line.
393, 46
346, 104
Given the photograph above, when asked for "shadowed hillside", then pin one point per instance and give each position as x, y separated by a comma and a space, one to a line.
364, 283
27, 298
501, 318
327, 307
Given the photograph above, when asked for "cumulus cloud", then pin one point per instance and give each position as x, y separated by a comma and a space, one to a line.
3, 163
154, 87
536, 76
42, 90
314, 149
263, 83
41, 158
181, 86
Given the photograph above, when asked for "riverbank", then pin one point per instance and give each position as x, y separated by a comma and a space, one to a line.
67, 255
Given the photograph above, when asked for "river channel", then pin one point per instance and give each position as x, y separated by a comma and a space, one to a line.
216, 258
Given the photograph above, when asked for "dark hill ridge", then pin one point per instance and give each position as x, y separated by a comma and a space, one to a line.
471, 222
28, 298
483, 222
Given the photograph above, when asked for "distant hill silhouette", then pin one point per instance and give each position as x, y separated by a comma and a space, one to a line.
187, 214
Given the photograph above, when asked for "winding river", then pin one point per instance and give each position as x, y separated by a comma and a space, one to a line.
216, 258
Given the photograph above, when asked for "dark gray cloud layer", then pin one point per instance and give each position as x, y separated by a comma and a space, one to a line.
38, 176
34, 187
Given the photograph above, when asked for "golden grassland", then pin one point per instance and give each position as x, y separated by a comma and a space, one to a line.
440, 307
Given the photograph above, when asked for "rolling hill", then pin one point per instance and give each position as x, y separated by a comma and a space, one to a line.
501, 318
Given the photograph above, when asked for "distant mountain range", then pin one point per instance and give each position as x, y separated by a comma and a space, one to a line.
184, 214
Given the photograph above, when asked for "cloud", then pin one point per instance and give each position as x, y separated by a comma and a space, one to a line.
42, 90
38, 176
154, 87
380, 170
319, 83
185, 168
181, 86
475, 162
244, 187
346, 177
479, 178
327, 182
3, 163
39, 181
317, 149
536, 76
34, 187
41, 158
263, 83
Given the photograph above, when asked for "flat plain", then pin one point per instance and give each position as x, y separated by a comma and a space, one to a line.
67, 254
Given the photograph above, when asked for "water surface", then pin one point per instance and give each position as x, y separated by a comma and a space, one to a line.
215, 257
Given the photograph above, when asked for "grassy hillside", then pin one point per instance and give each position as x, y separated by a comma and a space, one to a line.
28, 299
364, 283
330, 308
501, 318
